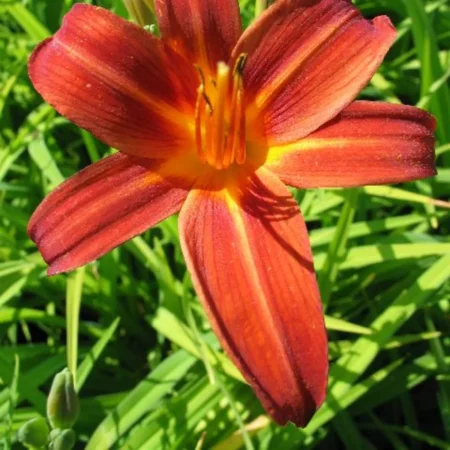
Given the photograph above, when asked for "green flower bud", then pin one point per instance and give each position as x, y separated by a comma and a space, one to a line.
54, 434
34, 433
62, 439
142, 11
62, 403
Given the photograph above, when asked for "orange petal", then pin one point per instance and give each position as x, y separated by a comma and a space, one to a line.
101, 207
368, 143
247, 250
118, 81
204, 31
308, 59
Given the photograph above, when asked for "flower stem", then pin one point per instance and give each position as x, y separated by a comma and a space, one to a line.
141, 11
260, 7
73, 301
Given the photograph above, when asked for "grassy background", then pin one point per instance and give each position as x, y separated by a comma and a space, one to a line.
150, 373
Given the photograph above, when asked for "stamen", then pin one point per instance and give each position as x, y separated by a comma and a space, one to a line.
235, 112
202, 106
199, 113
239, 144
218, 130
203, 88
220, 123
239, 147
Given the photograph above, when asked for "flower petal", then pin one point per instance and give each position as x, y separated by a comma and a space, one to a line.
247, 250
103, 206
368, 143
308, 59
204, 31
118, 81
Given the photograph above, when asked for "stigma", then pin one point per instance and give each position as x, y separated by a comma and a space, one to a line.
220, 117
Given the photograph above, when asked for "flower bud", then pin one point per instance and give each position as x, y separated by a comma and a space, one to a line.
142, 11
34, 433
62, 403
62, 439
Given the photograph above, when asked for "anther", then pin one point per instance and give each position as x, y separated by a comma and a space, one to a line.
240, 64
203, 89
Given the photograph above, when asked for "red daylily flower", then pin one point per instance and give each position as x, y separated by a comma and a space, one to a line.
213, 121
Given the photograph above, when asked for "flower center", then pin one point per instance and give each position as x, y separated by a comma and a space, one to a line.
220, 117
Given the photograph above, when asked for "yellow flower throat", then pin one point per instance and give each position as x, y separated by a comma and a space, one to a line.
220, 117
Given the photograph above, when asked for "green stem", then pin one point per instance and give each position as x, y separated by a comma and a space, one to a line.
73, 301
260, 7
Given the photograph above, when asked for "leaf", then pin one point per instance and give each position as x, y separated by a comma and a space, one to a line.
142, 399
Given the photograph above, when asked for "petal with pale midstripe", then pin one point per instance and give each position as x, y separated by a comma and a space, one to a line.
247, 249
118, 81
307, 60
103, 206
368, 143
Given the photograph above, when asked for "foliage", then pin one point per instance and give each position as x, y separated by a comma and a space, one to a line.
149, 372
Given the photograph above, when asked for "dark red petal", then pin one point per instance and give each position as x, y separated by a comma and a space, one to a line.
205, 31
118, 81
101, 207
368, 143
308, 59
248, 252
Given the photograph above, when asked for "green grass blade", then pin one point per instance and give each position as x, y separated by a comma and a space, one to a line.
141, 400
28, 22
425, 41
92, 356
349, 367
336, 252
